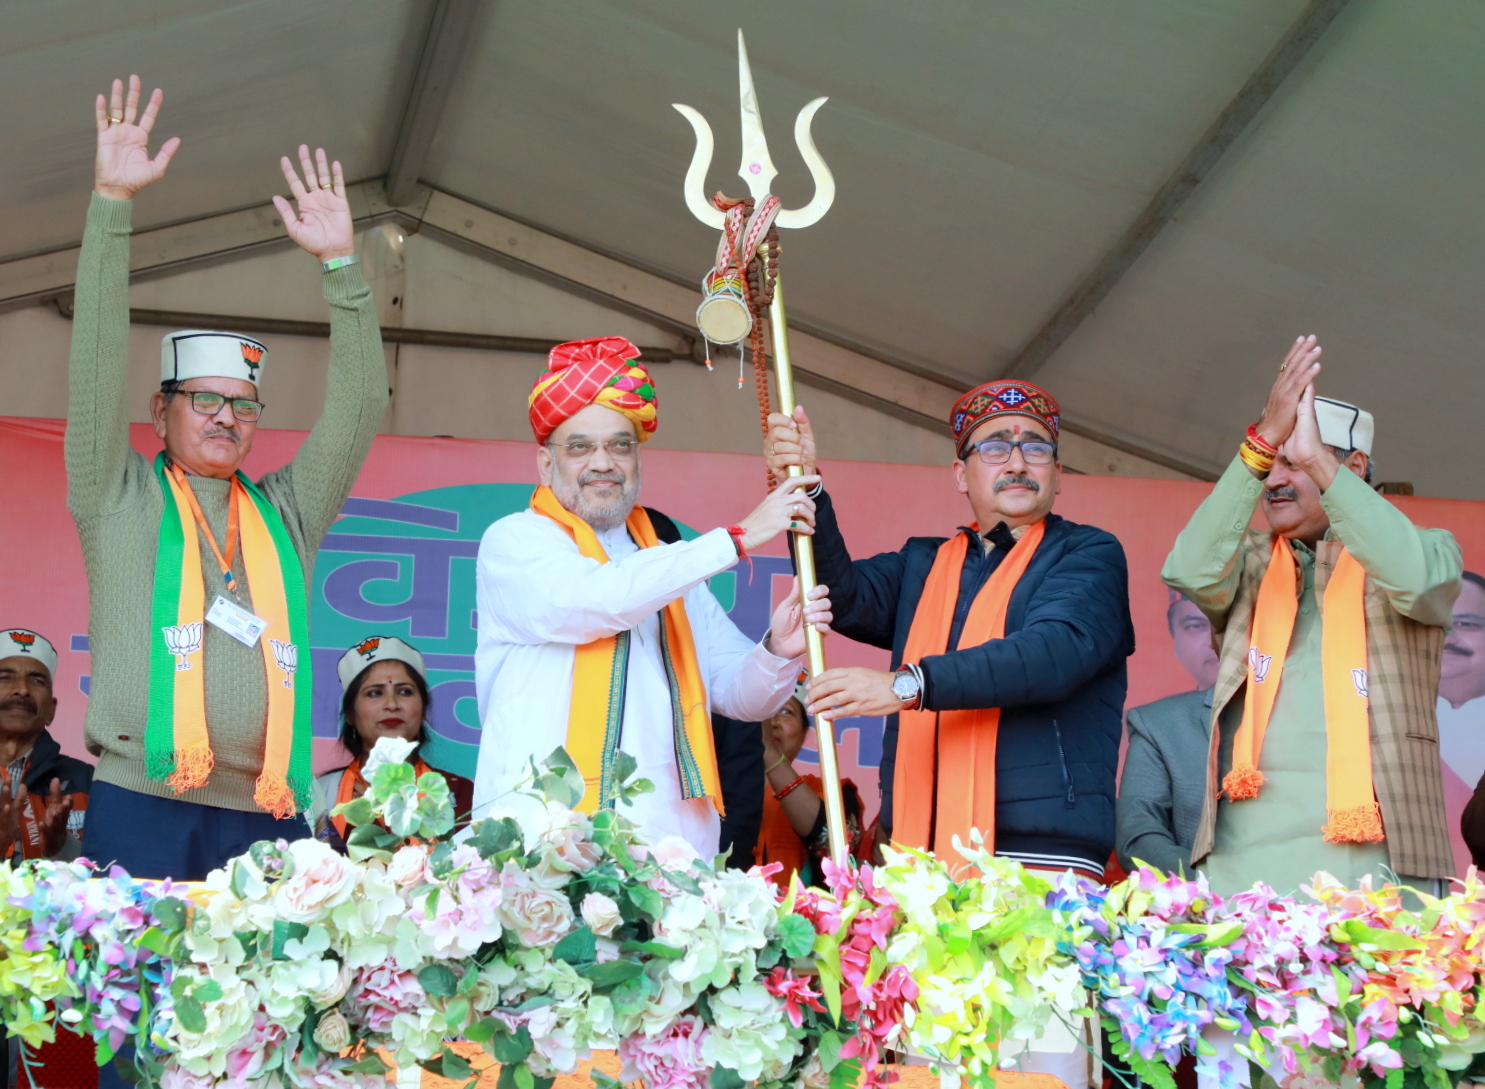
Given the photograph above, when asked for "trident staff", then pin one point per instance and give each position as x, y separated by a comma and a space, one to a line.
743, 240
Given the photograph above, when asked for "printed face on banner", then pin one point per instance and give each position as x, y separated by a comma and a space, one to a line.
1191, 638
1461, 705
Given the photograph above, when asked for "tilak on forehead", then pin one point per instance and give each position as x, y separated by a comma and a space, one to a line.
1004, 397
599, 371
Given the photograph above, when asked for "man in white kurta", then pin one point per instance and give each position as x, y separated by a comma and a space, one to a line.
540, 599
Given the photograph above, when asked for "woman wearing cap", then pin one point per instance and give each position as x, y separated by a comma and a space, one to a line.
793, 831
386, 695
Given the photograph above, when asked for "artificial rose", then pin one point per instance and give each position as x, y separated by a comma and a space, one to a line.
255, 1050
670, 1060
333, 991
333, 1033
381, 992
674, 853
322, 880
178, 1077
409, 866
539, 914
601, 914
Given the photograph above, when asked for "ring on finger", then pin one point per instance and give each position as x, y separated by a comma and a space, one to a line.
112, 120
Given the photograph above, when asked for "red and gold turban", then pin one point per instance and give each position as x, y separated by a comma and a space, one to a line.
1005, 397
599, 371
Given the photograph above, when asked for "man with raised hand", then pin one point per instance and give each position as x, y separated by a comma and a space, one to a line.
199, 709
1324, 749
597, 631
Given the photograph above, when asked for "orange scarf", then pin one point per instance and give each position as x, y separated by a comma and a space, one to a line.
777, 840
350, 779
1352, 813
945, 776
596, 719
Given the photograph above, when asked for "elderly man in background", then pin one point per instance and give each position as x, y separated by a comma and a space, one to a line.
196, 575
597, 632
1008, 643
1324, 749
45, 796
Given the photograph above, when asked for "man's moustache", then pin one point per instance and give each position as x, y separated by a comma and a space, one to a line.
1455, 648
1286, 491
220, 432
1020, 478
19, 703
612, 475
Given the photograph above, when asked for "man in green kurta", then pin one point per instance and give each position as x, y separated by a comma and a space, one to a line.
1316, 495
198, 715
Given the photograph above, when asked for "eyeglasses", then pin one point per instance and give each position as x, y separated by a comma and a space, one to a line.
1033, 451
209, 404
618, 449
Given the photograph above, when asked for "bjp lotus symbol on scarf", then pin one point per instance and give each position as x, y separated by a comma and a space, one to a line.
183, 640
1358, 678
287, 657
1258, 664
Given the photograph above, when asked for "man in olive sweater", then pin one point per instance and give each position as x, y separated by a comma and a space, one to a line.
196, 576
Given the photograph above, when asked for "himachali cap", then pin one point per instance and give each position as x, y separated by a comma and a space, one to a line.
379, 648
21, 643
1004, 397
1344, 426
200, 353
600, 371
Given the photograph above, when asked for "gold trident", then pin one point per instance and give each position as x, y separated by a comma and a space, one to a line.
757, 170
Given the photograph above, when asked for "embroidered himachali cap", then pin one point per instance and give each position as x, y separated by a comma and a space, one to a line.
22, 643
599, 371
201, 353
379, 648
1344, 426
1004, 397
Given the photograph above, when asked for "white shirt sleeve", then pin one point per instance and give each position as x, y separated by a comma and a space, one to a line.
745, 681
534, 587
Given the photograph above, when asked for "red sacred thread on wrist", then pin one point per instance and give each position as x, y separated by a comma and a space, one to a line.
1259, 441
780, 795
737, 533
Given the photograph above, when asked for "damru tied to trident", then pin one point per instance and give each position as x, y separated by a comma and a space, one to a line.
731, 311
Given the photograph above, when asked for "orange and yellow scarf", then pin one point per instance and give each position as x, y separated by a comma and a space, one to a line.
1352, 813
177, 744
596, 720
944, 783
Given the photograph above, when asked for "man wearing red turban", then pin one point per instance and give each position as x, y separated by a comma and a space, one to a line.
597, 632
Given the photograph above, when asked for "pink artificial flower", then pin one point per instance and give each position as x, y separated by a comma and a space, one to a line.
669, 1060
795, 992
381, 992
247, 1060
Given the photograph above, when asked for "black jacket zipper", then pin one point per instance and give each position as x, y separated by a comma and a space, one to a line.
1072, 797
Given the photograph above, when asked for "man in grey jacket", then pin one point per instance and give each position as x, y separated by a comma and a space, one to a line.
1160, 793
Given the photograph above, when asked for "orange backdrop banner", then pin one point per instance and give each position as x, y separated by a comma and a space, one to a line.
401, 562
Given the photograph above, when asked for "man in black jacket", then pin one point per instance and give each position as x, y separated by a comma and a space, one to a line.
1058, 676
45, 794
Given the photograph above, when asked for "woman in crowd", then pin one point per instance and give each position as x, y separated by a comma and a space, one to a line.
385, 695
793, 831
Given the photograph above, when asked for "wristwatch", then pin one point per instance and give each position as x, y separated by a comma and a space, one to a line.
905, 687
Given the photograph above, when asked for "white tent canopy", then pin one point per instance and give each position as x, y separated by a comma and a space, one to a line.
997, 161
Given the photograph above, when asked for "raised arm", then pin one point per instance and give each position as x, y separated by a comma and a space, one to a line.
324, 471
97, 408
535, 587
1204, 563
863, 593
1418, 569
